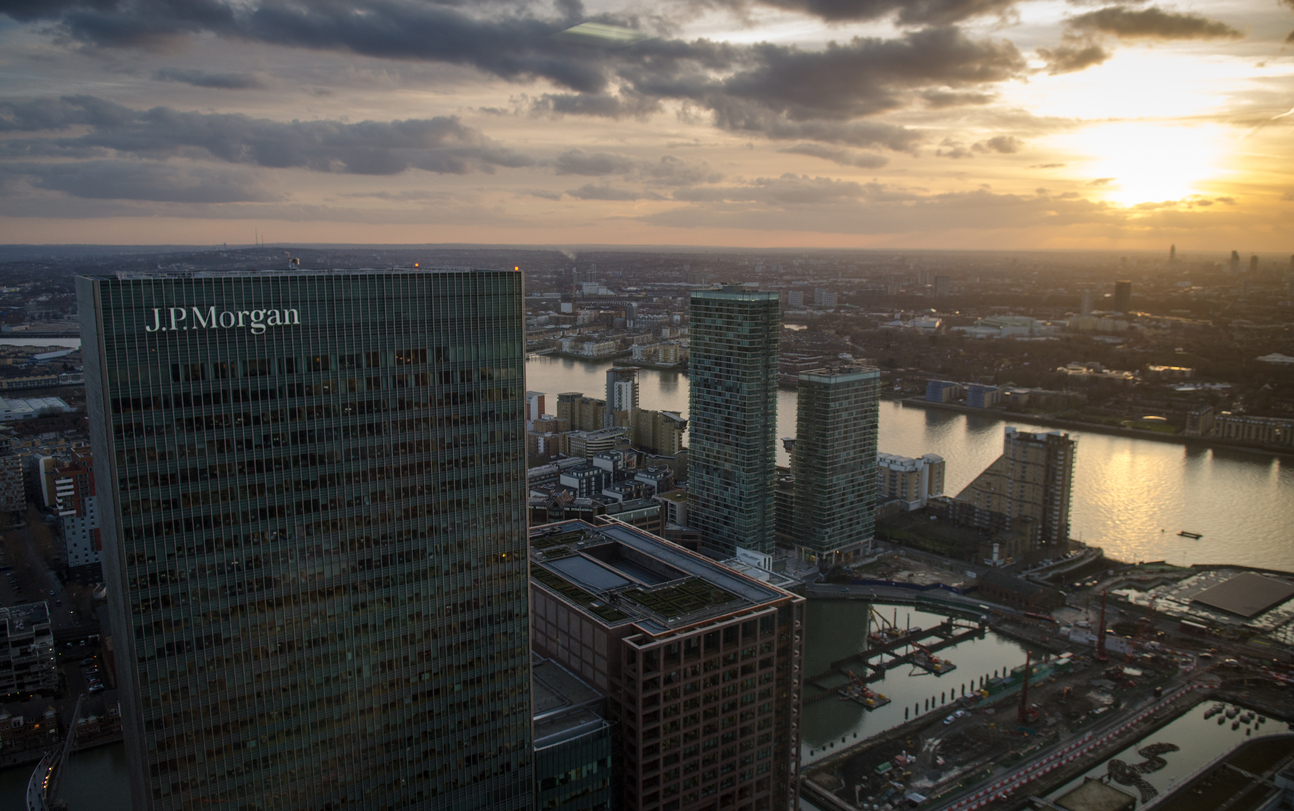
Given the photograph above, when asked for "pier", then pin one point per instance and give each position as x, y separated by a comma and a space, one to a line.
873, 661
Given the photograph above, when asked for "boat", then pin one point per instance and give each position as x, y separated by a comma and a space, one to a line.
1194, 536
1232, 712
1216, 709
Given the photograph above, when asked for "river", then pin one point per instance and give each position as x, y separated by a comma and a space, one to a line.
1131, 496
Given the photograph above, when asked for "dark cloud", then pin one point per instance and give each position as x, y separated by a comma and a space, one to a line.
1072, 56
142, 180
867, 75
1003, 144
198, 78
943, 99
579, 162
626, 104
590, 191
1152, 23
948, 148
844, 157
906, 12
442, 144
780, 92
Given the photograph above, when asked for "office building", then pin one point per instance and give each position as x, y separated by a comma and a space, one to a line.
702, 664
835, 463
1234, 265
1122, 296
574, 742
622, 397
312, 500
534, 408
943, 287
1030, 484
733, 418
27, 663
910, 481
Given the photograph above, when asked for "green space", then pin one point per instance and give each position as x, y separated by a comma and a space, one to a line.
916, 529
681, 598
577, 595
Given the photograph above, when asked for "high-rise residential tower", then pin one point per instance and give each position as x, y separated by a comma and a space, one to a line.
622, 397
312, 496
835, 462
1122, 296
1031, 484
733, 418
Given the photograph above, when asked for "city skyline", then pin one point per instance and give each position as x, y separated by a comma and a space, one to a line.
1021, 124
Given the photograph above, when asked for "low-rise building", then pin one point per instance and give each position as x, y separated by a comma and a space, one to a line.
27, 663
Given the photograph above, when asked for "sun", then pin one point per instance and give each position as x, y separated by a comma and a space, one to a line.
1132, 162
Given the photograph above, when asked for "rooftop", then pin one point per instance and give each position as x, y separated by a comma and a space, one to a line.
1094, 795
1246, 595
621, 574
564, 706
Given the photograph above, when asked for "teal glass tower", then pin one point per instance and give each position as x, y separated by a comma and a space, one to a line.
314, 535
732, 462
835, 462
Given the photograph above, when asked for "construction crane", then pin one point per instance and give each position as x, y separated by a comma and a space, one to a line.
1026, 713
1101, 655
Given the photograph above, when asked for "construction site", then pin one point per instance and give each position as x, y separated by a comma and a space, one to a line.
1009, 738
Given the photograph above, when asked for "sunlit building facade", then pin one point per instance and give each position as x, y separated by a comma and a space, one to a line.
312, 492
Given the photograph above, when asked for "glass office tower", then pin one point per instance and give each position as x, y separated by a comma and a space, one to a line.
732, 457
314, 535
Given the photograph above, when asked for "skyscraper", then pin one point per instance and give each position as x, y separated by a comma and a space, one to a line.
1122, 296
733, 417
622, 397
835, 462
312, 493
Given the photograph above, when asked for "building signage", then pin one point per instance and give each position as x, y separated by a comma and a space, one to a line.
255, 321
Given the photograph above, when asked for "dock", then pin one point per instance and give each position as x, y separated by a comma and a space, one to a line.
878, 659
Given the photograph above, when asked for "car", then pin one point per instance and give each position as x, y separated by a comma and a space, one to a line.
87, 661
949, 720
960, 714
96, 688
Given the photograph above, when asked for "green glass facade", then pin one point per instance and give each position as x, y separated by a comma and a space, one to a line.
313, 498
835, 462
732, 457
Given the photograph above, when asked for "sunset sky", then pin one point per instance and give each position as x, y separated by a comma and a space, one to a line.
751, 123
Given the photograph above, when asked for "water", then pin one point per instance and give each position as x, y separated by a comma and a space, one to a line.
837, 628
1199, 741
1131, 496
96, 779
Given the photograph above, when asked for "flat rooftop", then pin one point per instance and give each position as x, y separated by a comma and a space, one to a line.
621, 574
563, 706
1246, 595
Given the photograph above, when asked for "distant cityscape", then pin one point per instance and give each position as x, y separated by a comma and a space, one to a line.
295, 529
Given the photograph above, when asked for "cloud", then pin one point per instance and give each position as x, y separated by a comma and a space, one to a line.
844, 157
1072, 56
1101, 181
906, 12
782, 92
579, 162
1152, 23
1004, 144
442, 144
1046, 166
590, 191
791, 190
1288, 196
943, 99
143, 180
198, 78
627, 104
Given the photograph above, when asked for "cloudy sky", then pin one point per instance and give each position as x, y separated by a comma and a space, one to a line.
829, 123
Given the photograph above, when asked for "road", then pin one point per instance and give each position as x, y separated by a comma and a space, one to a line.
37, 581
